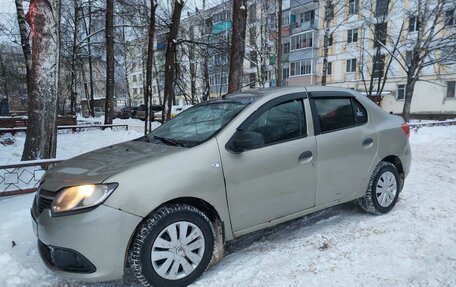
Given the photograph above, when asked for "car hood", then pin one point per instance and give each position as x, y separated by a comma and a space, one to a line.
96, 166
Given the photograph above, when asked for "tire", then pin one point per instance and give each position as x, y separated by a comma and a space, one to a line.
383, 190
150, 240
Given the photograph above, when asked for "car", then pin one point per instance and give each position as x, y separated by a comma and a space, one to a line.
141, 114
124, 113
164, 204
134, 111
98, 112
175, 110
116, 112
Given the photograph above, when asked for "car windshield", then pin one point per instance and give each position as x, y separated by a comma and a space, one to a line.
197, 124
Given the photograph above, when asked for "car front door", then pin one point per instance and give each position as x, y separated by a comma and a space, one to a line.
347, 144
277, 179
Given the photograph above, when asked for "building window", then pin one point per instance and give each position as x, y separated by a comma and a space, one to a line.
413, 24
301, 41
220, 17
352, 36
400, 95
134, 78
381, 9
448, 55
329, 70
308, 17
135, 91
286, 48
285, 18
451, 89
301, 68
353, 6
380, 34
379, 66
350, 66
450, 17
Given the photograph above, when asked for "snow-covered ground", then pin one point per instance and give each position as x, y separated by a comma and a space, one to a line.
414, 245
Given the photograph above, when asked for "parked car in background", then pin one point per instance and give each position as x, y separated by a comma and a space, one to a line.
244, 162
116, 112
125, 113
133, 112
98, 112
141, 114
175, 110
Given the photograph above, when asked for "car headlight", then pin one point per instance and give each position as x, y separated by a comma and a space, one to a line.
77, 198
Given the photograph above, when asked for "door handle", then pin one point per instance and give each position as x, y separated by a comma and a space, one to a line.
368, 142
305, 157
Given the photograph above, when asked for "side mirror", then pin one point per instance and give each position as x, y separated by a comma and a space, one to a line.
246, 140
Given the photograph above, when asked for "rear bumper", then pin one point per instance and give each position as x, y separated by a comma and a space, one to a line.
89, 246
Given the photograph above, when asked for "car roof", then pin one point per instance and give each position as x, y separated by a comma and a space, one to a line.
258, 93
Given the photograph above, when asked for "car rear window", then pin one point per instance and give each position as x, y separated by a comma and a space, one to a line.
334, 113
360, 112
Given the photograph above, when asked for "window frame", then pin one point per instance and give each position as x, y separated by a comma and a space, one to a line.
400, 87
350, 63
266, 107
353, 7
453, 83
351, 35
333, 95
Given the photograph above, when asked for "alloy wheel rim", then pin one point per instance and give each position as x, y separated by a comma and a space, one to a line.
178, 250
386, 189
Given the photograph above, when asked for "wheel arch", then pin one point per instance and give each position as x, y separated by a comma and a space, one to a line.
396, 161
199, 203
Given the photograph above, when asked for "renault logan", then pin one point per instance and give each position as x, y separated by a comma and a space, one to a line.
163, 204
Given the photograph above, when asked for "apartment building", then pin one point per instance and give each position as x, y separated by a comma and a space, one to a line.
353, 62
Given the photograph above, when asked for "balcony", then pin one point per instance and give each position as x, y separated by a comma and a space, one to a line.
297, 27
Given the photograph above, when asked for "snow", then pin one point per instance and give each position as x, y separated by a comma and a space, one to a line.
68, 144
413, 245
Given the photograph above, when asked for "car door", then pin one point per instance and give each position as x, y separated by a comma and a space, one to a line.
277, 179
347, 144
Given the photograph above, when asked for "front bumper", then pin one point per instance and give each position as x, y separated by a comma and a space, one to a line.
89, 246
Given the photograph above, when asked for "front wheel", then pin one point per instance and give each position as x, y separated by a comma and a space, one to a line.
383, 190
172, 247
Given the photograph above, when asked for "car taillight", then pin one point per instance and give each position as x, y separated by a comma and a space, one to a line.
406, 128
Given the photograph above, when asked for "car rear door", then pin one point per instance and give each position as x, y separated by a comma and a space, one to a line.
278, 179
347, 143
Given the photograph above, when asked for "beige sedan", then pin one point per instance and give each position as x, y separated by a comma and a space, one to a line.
162, 204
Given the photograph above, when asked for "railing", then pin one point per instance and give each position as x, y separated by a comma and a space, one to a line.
75, 128
433, 124
23, 177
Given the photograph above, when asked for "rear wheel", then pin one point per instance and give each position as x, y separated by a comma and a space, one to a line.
383, 190
173, 247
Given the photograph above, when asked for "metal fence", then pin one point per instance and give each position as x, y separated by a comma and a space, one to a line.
23, 177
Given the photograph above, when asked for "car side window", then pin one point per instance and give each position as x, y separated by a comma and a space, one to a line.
334, 113
283, 122
360, 113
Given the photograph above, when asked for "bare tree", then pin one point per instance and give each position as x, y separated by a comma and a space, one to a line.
25, 43
170, 59
149, 63
237, 45
110, 64
41, 137
279, 45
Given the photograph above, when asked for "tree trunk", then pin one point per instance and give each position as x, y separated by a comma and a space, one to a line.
191, 57
25, 43
409, 88
75, 58
41, 137
279, 45
170, 63
149, 64
327, 35
237, 45
109, 33
4, 75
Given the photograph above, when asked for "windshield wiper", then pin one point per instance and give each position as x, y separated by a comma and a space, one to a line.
169, 141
